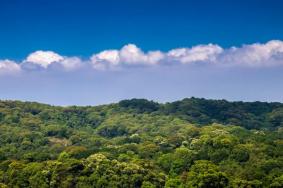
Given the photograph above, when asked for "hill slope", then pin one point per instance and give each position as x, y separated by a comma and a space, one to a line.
140, 143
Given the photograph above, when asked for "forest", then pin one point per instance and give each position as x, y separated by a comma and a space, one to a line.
135, 143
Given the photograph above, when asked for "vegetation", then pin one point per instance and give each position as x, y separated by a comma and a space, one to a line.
139, 143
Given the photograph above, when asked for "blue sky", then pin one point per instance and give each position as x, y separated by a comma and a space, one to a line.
94, 52
83, 27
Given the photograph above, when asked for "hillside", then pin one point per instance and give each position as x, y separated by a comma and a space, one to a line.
140, 143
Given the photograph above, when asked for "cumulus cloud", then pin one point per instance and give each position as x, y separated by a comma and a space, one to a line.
112, 56
196, 54
43, 58
131, 54
128, 55
7, 66
47, 59
71, 63
252, 55
105, 59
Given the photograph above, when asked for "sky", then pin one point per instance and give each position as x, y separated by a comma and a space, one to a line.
82, 52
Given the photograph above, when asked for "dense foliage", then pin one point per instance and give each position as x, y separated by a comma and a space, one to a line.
139, 143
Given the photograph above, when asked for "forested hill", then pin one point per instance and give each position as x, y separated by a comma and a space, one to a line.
251, 115
140, 143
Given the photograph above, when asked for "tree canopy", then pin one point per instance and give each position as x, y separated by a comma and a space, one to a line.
140, 143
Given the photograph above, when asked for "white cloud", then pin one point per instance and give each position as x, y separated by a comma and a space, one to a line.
195, 54
111, 56
105, 59
71, 63
43, 58
7, 66
268, 54
128, 55
131, 54
252, 55
154, 57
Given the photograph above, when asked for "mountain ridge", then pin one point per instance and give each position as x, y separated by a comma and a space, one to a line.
251, 115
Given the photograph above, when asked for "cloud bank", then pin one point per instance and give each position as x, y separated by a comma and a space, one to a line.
269, 54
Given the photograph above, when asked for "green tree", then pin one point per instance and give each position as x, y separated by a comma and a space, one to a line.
205, 174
